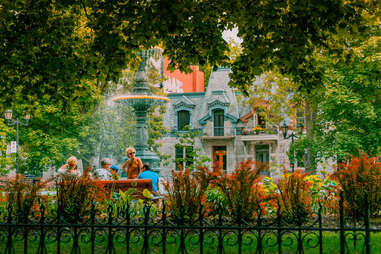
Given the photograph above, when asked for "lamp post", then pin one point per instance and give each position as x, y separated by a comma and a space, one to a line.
8, 117
293, 136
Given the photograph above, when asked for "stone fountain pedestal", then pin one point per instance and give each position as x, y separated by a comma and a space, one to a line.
141, 100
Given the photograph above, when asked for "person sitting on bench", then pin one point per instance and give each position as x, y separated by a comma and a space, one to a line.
70, 168
104, 173
149, 174
114, 171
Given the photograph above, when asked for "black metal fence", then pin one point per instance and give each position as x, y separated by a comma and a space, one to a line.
149, 230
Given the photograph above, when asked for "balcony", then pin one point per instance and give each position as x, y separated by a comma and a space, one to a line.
219, 133
245, 134
229, 133
250, 131
248, 134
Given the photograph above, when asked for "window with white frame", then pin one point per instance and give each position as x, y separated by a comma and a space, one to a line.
184, 157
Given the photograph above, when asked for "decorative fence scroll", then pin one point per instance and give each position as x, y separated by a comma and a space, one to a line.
140, 227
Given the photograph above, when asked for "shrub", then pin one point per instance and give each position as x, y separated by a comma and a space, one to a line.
185, 192
74, 196
324, 194
214, 199
23, 195
357, 177
294, 197
244, 195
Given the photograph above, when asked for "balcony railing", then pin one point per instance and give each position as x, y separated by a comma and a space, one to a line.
250, 131
229, 131
220, 132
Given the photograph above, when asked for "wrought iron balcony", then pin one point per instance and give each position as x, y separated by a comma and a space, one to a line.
250, 131
227, 132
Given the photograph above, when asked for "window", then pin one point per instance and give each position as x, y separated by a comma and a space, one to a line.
261, 120
184, 157
299, 118
218, 120
183, 119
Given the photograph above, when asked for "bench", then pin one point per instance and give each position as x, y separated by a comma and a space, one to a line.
110, 186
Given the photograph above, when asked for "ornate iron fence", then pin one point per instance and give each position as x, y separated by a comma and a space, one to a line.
149, 230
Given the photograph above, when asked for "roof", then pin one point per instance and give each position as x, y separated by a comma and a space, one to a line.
220, 95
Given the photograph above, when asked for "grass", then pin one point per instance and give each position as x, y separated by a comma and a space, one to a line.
331, 243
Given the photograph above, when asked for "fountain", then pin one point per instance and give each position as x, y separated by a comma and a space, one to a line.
141, 100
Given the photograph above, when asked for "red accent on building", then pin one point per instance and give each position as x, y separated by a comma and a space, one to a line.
191, 82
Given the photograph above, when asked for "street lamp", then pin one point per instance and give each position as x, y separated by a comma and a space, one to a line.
8, 117
285, 128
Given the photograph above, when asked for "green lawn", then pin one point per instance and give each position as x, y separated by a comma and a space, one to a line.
331, 244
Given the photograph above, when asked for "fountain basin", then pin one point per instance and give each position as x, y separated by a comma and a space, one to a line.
139, 100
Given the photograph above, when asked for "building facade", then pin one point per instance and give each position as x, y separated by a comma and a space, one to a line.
229, 132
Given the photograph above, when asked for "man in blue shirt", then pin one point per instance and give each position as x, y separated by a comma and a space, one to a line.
149, 174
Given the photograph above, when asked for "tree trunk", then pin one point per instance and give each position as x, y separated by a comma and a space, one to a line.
310, 116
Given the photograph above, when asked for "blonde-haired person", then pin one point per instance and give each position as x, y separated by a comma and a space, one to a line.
70, 168
134, 165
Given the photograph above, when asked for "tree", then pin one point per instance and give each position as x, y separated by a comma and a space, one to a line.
64, 47
42, 57
277, 36
104, 131
347, 105
351, 105
62, 54
52, 136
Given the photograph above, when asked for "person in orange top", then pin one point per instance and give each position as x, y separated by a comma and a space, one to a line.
134, 165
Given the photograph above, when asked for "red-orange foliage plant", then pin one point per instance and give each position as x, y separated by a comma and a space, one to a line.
356, 177
185, 192
23, 194
74, 196
294, 197
243, 193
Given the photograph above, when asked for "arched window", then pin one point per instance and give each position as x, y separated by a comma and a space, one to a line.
218, 120
183, 119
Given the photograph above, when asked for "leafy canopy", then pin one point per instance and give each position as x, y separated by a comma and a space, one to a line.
66, 50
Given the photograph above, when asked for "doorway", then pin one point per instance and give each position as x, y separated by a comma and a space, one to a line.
219, 158
262, 155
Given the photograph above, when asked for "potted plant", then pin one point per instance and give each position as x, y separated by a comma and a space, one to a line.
257, 129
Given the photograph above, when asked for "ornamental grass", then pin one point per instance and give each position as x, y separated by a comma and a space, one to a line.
185, 193
244, 194
294, 197
360, 178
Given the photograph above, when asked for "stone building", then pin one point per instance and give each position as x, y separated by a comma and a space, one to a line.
225, 126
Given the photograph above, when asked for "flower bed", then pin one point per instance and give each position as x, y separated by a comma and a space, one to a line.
296, 206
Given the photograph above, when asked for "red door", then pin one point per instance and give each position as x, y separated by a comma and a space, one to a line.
219, 158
